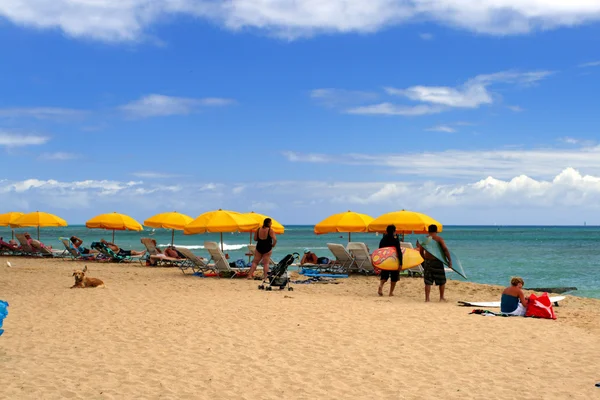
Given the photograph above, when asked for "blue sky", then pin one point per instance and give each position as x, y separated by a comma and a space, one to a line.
475, 112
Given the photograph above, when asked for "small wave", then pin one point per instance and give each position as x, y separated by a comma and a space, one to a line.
198, 247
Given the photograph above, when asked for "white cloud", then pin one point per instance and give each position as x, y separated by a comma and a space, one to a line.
41, 113
590, 64
516, 108
569, 195
426, 36
18, 140
474, 93
469, 164
58, 156
157, 105
112, 20
442, 128
393, 109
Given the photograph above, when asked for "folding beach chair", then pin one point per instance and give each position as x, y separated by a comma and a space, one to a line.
361, 256
193, 262
26, 249
155, 256
73, 252
342, 257
221, 262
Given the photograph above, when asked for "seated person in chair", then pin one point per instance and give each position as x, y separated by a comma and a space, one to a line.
36, 244
10, 245
78, 244
121, 252
309, 257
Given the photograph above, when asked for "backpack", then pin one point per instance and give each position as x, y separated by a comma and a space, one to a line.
540, 307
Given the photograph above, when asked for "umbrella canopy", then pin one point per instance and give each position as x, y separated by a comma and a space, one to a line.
405, 221
38, 219
115, 222
260, 218
7, 218
169, 220
220, 221
348, 221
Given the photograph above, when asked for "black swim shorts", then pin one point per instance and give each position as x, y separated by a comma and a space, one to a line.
433, 272
385, 275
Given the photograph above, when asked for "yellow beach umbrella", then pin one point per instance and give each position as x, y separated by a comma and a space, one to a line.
405, 222
169, 220
38, 219
220, 221
260, 218
115, 222
348, 221
7, 218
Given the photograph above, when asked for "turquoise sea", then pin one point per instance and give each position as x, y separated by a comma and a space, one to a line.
543, 255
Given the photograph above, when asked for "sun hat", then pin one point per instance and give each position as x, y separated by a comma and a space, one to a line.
306, 251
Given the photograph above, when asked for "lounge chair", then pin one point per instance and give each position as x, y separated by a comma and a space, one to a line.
221, 262
414, 270
192, 261
8, 249
342, 257
26, 248
111, 255
361, 256
74, 252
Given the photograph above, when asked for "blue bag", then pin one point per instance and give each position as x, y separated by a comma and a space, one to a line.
3, 314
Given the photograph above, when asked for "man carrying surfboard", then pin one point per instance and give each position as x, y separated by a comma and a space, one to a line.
390, 240
433, 268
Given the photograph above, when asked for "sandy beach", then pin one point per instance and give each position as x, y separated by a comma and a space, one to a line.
157, 333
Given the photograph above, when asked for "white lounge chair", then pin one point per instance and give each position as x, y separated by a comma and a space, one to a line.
342, 257
221, 262
192, 261
414, 270
361, 256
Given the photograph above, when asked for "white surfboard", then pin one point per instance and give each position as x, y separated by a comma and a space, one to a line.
554, 300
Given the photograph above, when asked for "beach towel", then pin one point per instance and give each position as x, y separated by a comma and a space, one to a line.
3, 314
540, 307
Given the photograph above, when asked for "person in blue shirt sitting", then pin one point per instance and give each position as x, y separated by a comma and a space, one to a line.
513, 300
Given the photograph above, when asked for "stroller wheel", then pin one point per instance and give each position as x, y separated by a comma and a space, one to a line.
261, 287
268, 288
291, 289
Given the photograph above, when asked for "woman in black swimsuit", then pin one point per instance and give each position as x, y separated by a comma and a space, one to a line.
265, 241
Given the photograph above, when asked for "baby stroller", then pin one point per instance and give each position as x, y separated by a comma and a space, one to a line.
278, 275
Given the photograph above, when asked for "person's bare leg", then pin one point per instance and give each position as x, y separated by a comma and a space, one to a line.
381, 283
255, 262
442, 287
266, 261
392, 286
427, 291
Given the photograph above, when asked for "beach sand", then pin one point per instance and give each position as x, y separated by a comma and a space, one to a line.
157, 333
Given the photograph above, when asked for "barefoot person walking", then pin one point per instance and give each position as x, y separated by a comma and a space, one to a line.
433, 269
265, 241
390, 240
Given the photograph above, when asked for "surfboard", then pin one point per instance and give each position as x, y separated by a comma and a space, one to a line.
435, 250
496, 304
386, 258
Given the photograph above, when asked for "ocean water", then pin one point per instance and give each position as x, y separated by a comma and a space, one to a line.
543, 256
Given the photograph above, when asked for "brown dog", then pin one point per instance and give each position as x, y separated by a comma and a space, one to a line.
82, 282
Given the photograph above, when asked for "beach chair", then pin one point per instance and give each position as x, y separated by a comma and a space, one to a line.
74, 252
221, 262
155, 256
361, 256
26, 249
414, 270
111, 255
193, 262
6, 249
342, 257
46, 252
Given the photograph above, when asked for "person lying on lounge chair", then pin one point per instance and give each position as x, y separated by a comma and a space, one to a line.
36, 244
169, 254
78, 244
309, 257
10, 245
121, 252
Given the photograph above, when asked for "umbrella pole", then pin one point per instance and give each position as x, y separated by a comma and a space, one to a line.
221, 241
349, 237
250, 242
113, 236
38, 233
173, 237
13, 234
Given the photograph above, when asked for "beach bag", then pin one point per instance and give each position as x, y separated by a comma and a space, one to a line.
322, 260
3, 314
540, 307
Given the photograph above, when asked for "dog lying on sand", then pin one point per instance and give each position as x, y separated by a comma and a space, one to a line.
81, 281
